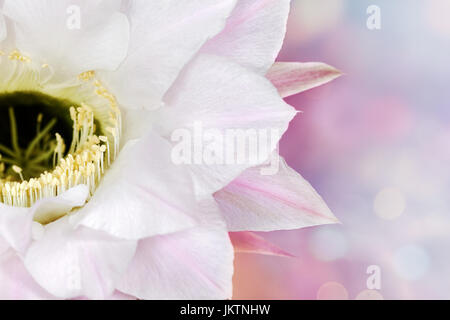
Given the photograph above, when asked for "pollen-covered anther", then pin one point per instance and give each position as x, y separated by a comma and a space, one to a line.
86, 76
16, 55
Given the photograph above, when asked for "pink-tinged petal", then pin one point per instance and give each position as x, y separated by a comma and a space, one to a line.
16, 282
192, 264
117, 295
294, 77
72, 37
142, 194
165, 35
16, 222
249, 242
218, 96
254, 34
283, 201
4, 246
71, 263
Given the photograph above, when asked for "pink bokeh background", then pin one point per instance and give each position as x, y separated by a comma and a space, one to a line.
376, 145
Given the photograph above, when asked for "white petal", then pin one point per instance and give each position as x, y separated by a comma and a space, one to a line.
192, 264
283, 201
165, 35
15, 226
16, 223
254, 34
70, 262
220, 95
16, 282
143, 194
48, 30
2, 28
136, 124
51, 209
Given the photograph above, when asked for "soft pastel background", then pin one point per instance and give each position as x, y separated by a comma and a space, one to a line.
376, 145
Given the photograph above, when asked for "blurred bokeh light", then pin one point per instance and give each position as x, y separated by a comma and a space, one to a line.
376, 145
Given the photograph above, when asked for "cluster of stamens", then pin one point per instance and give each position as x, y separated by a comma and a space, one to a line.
85, 163
93, 147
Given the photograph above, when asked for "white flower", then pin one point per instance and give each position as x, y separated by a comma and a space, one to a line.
91, 202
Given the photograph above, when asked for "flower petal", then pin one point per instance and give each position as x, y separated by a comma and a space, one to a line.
16, 222
222, 97
142, 194
136, 124
15, 226
294, 77
284, 201
117, 295
192, 264
2, 28
4, 246
165, 35
71, 262
51, 209
91, 35
16, 282
254, 34
249, 242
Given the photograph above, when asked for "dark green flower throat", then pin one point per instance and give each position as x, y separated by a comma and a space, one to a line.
29, 124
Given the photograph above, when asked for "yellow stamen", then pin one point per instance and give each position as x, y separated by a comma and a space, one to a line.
18, 170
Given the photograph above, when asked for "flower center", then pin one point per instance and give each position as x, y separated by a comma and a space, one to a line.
53, 136
30, 123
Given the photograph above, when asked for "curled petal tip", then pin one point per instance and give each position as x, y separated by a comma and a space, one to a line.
294, 77
249, 242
